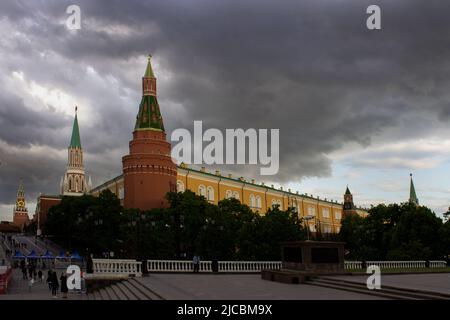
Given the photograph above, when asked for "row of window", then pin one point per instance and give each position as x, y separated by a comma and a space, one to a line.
254, 201
325, 229
325, 213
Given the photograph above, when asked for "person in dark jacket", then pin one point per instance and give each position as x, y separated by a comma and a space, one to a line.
55, 284
49, 279
90, 264
64, 288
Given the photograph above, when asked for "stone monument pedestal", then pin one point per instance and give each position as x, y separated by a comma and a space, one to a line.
304, 259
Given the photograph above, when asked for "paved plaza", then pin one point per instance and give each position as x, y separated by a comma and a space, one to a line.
435, 282
207, 286
239, 287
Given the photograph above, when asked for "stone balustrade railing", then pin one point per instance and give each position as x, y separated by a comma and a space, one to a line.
352, 265
117, 266
438, 264
176, 266
398, 264
205, 266
248, 266
133, 267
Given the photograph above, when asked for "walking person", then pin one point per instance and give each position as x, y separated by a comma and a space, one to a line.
196, 263
64, 288
40, 276
55, 284
49, 279
30, 284
25, 273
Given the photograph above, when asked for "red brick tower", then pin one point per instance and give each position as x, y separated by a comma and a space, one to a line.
148, 171
20, 217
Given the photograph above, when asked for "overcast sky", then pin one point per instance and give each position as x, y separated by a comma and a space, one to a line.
357, 107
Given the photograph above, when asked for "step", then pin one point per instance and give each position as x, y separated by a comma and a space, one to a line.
111, 293
395, 293
128, 293
356, 290
137, 293
120, 295
96, 296
106, 294
149, 293
416, 293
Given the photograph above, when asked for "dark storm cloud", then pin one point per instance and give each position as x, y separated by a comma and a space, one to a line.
22, 126
310, 68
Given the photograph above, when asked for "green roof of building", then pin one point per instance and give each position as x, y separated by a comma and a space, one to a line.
149, 70
412, 193
75, 141
149, 116
347, 191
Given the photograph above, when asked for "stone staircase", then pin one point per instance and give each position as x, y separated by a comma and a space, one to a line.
388, 292
131, 289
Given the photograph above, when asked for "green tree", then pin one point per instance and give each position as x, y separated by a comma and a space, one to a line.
87, 223
262, 239
393, 232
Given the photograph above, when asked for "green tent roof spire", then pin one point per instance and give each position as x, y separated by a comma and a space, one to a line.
149, 70
149, 115
75, 141
412, 192
347, 191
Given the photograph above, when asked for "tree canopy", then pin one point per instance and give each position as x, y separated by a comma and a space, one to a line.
190, 225
396, 232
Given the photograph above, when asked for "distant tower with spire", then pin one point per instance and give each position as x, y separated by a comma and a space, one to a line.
349, 206
20, 214
148, 170
73, 183
412, 192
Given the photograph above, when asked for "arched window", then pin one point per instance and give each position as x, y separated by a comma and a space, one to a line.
258, 202
229, 194
236, 195
210, 194
252, 201
180, 186
202, 190
76, 184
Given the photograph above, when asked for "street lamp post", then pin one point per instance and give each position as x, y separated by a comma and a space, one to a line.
307, 218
